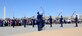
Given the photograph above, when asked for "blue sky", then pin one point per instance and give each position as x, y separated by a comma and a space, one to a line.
28, 8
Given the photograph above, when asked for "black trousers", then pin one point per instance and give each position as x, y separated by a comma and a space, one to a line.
39, 27
76, 24
61, 24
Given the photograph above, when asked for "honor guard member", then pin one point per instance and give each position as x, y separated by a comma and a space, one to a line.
33, 21
13, 22
24, 22
76, 21
50, 21
61, 21
39, 21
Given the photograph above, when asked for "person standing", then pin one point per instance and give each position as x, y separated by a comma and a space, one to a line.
39, 21
24, 22
13, 22
61, 21
33, 21
76, 21
50, 21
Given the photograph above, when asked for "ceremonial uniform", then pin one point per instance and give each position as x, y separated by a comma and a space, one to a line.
50, 20
24, 22
13, 23
39, 21
76, 21
61, 21
33, 22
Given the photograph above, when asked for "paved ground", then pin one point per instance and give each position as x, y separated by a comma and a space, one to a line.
76, 31
5, 31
